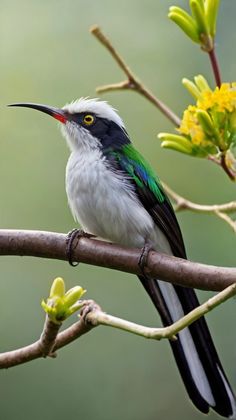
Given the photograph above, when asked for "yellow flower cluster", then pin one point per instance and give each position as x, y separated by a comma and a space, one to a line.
209, 126
221, 100
190, 126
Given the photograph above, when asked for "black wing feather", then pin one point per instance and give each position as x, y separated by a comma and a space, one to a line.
163, 214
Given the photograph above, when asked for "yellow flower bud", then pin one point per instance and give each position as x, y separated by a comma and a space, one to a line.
61, 305
58, 287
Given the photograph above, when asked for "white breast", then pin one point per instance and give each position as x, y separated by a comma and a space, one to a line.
105, 204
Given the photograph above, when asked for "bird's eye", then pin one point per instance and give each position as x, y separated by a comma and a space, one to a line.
88, 119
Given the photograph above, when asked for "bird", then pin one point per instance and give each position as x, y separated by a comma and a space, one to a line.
115, 194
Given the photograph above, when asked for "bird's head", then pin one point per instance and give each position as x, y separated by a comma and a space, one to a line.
87, 124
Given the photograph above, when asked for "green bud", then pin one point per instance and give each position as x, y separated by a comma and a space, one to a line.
176, 142
202, 5
206, 122
211, 12
185, 22
201, 83
74, 308
183, 145
54, 308
199, 16
61, 305
201, 26
58, 287
174, 137
175, 146
192, 88
73, 295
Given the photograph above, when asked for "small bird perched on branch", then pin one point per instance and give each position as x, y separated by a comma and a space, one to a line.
115, 194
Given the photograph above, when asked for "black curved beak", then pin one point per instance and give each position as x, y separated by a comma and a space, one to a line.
56, 113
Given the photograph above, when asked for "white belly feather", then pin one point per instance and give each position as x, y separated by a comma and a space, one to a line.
105, 204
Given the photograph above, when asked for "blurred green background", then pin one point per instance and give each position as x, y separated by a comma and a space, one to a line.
48, 56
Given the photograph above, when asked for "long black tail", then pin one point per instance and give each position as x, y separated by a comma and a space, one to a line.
194, 351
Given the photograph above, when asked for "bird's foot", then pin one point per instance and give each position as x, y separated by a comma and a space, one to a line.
144, 256
89, 306
71, 244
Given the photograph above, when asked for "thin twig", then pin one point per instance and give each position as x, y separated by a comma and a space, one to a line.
101, 318
218, 210
103, 254
183, 203
227, 219
35, 350
132, 83
92, 316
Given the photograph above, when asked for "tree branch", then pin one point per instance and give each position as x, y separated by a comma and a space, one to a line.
48, 337
39, 349
132, 83
218, 210
91, 251
92, 316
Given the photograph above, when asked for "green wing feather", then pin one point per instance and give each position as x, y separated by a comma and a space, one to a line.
151, 194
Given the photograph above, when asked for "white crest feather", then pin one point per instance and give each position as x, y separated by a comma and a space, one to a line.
100, 108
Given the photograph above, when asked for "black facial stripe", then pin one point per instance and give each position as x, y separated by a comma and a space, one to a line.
108, 132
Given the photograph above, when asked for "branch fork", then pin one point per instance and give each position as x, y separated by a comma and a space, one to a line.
92, 316
132, 82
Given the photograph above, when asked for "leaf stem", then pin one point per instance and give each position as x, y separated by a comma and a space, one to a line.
215, 66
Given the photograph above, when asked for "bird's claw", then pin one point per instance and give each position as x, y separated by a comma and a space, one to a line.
144, 256
70, 245
89, 306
